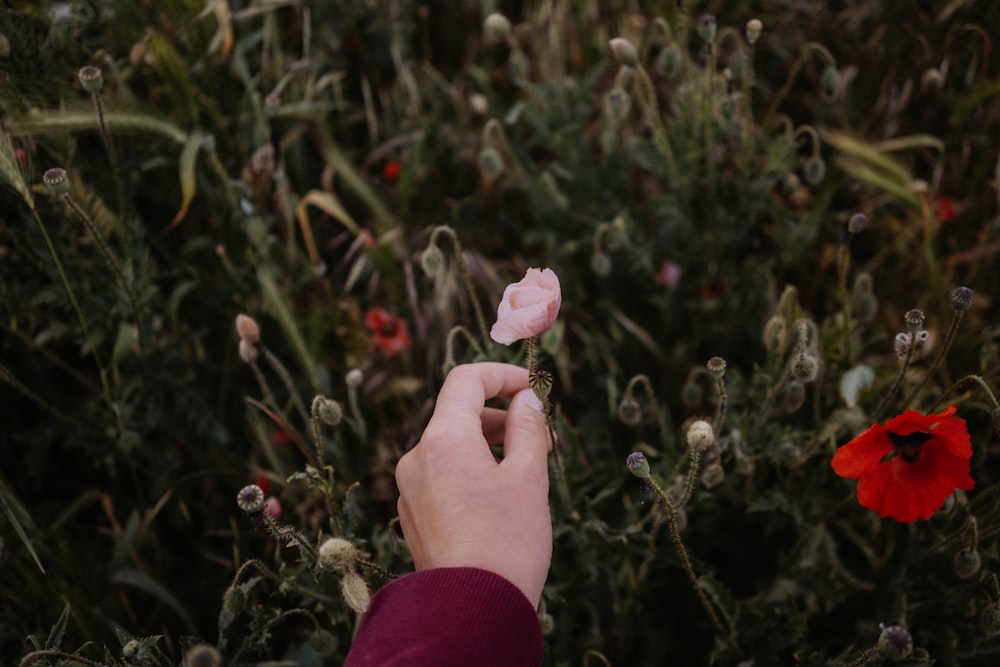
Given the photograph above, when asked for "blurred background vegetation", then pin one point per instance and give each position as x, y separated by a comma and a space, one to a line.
290, 159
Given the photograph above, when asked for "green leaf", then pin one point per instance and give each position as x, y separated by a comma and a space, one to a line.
186, 167
20, 519
58, 630
146, 584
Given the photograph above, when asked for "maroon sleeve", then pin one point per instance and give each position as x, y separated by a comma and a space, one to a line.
448, 617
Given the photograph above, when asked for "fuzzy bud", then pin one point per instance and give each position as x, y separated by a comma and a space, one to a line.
967, 563
248, 351
601, 264
355, 592
700, 436
707, 27
638, 465
203, 655
91, 79
814, 170
895, 643
805, 367
713, 475
616, 105
250, 499
989, 620
496, 27
490, 162
753, 29
865, 307
354, 378
130, 649
857, 222
914, 320
775, 334
337, 554
323, 642
794, 396
56, 180
234, 600
624, 52
328, 410
629, 411
668, 61
829, 82
247, 328
717, 367
431, 260
962, 298
691, 394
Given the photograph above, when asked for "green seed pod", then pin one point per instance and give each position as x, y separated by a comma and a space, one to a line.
91, 79
814, 170
490, 162
624, 52
637, 464
323, 642
962, 298
707, 27
967, 563
829, 82
601, 264
895, 643
717, 367
56, 180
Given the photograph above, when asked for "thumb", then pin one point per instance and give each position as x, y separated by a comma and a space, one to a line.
526, 437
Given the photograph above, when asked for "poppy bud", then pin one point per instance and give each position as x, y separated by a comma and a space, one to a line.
857, 223
691, 394
247, 327
617, 104
601, 264
496, 27
794, 396
700, 436
234, 600
130, 649
989, 620
895, 643
829, 82
629, 412
323, 642
56, 181
668, 61
967, 563
248, 351
814, 170
775, 334
753, 29
328, 410
490, 162
638, 465
203, 655
713, 475
91, 79
624, 52
355, 592
431, 260
865, 307
354, 378
707, 27
336, 554
805, 367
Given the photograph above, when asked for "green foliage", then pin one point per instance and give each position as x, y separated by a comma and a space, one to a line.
294, 162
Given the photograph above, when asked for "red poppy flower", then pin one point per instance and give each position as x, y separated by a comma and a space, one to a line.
390, 331
908, 467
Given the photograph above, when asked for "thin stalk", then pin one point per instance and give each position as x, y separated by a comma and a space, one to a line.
948, 339
675, 534
115, 168
889, 395
463, 269
808, 48
317, 430
709, 116
112, 261
53, 653
651, 108
449, 345
286, 379
644, 381
845, 299
386, 574
720, 410
747, 86
76, 307
967, 380
694, 464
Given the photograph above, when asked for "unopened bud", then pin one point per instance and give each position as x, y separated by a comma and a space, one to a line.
668, 61
328, 410
814, 170
490, 162
247, 328
829, 82
56, 180
248, 351
617, 104
431, 260
624, 52
91, 79
337, 554
707, 27
794, 396
895, 643
857, 223
629, 411
775, 334
700, 436
989, 620
967, 563
601, 264
355, 592
691, 394
713, 475
323, 642
637, 464
203, 655
805, 367
131, 648
753, 30
866, 307
496, 27
354, 378
234, 600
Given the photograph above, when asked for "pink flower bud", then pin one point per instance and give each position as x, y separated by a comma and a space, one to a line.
247, 328
528, 308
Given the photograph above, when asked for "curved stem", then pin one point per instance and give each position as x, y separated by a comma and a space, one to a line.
720, 411
948, 339
887, 398
845, 299
54, 653
463, 268
286, 379
967, 380
809, 47
647, 385
115, 168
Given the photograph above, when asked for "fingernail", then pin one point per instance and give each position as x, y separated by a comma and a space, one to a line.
532, 400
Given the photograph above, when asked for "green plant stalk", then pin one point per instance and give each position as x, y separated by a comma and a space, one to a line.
694, 464
889, 395
359, 421
948, 340
747, 107
651, 108
722, 407
112, 261
808, 48
54, 653
109, 144
643, 381
375, 567
675, 534
967, 380
269, 287
449, 344
286, 379
845, 298
76, 307
463, 269
317, 431
709, 116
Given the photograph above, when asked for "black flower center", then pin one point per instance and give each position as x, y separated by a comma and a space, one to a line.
909, 445
389, 329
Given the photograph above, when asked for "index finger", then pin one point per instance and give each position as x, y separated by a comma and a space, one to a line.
467, 388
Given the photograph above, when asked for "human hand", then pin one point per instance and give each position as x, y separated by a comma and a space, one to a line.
458, 506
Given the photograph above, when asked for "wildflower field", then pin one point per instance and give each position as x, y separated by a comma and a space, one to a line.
243, 241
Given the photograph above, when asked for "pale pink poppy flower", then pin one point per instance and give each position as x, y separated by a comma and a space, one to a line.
669, 274
528, 308
247, 328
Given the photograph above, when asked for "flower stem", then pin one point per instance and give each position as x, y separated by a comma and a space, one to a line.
644, 381
889, 395
967, 380
54, 653
675, 534
463, 269
694, 464
845, 299
721, 409
76, 307
115, 168
286, 379
796, 68
948, 339
317, 430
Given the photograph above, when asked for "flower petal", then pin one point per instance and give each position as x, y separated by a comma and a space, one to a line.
863, 453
